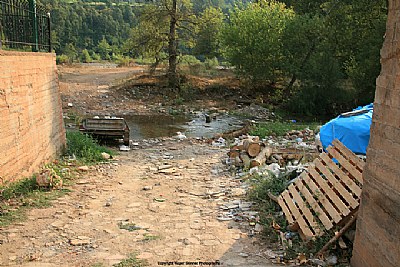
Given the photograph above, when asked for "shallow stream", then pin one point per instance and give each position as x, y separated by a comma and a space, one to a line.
154, 126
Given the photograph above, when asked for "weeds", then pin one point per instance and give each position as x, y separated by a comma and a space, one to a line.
132, 261
128, 226
19, 196
280, 128
269, 210
270, 214
148, 238
84, 147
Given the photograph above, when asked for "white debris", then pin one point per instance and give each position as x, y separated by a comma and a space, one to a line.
180, 136
124, 148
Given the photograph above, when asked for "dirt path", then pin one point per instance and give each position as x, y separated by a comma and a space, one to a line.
90, 90
83, 228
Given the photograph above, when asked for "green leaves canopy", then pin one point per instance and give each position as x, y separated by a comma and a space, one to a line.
252, 41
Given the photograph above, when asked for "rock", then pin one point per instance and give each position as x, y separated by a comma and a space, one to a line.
237, 192
331, 260
258, 227
79, 242
83, 168
105, 155
147, 188
317, 262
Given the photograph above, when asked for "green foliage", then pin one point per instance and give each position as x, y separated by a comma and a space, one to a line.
85, 23
208, 33
84, 147
252, 41
70, 52
211, 63
96, 57
189, 60
132, 261
104, 49
85, 56
277, 128
325, 55
62, 59
17, 197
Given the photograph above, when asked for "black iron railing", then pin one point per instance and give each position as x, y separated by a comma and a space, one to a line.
24, 25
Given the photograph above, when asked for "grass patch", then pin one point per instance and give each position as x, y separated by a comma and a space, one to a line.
85, 148
129, 226
19, 196
132, 261
280, 128
148, 238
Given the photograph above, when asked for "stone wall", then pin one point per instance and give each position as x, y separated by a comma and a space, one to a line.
31, 126
378, 226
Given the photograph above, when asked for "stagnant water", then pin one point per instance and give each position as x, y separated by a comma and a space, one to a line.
154, 126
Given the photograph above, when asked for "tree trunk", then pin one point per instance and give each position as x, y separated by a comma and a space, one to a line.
288, 90
172, 48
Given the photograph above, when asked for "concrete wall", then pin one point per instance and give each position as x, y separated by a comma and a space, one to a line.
31, 126
377, 242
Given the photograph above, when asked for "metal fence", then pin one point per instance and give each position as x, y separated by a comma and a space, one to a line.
24, 25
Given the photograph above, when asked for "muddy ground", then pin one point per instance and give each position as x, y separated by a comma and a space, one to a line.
128, 206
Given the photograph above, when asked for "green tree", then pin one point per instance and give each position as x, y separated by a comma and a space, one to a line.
252, 40
70, 52
164, 27
208, 35
104, 49
85, 56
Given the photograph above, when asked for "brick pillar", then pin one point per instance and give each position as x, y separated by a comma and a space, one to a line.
377, 242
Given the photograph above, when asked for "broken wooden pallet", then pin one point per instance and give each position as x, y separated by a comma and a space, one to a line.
326, 193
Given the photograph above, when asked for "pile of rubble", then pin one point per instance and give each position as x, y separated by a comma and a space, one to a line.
280, 155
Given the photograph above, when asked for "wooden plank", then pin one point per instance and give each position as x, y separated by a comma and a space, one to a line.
332, 212
304, 209
285, 209
343, 177
348, 154
329, 192
336, 184
296, 214
313, 203
345, 164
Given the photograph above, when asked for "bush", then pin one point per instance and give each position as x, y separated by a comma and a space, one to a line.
124, 61
96, 57
62, 59
85, 57
211, 63
189, 60
84, 147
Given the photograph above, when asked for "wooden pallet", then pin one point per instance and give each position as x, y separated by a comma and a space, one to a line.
325, 193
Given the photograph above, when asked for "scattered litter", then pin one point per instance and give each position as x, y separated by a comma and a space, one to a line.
180, 136
124, 148
220, 142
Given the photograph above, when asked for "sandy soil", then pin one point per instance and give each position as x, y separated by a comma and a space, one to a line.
174, 214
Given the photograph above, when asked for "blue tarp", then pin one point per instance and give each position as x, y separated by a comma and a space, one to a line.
351, 128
